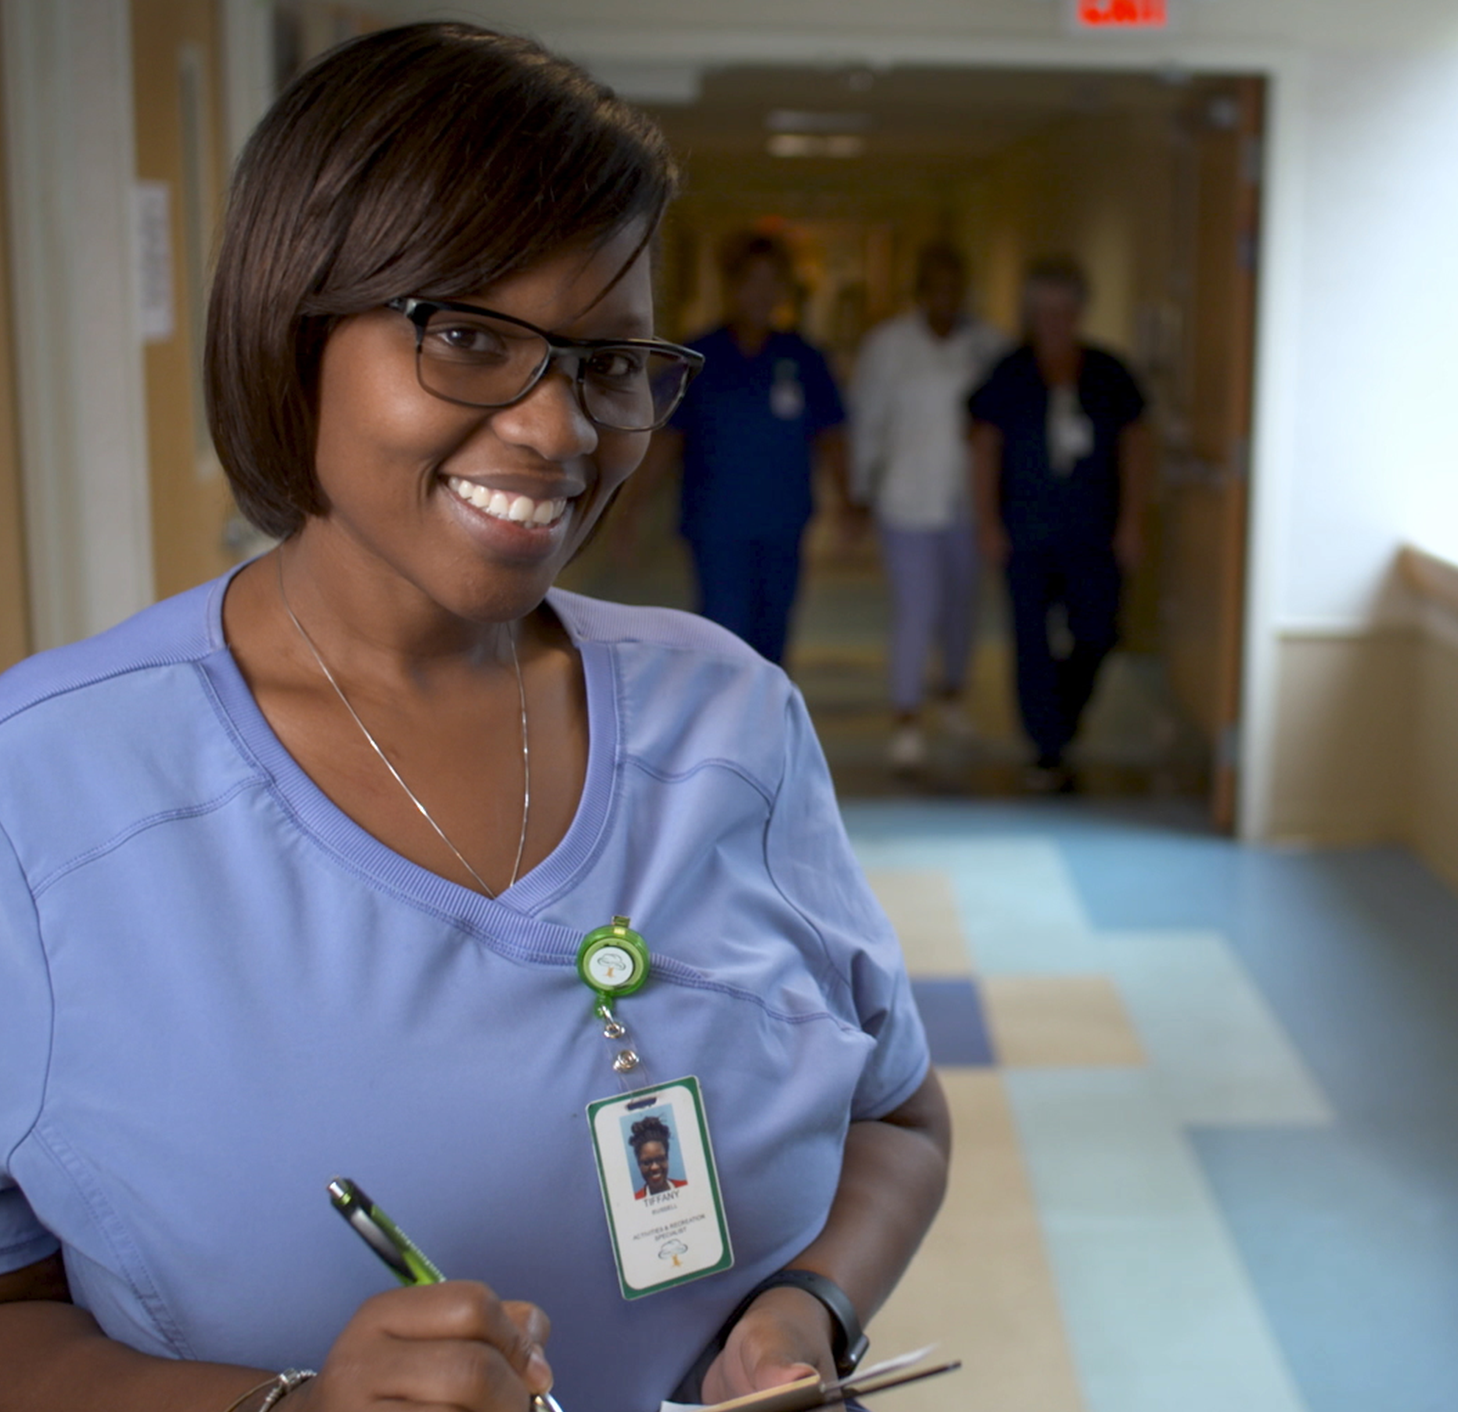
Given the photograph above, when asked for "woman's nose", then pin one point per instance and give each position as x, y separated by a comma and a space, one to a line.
549, 419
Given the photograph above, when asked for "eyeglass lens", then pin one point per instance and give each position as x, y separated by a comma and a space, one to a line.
487, 362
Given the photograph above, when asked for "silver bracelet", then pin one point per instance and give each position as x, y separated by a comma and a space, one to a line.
284, 1384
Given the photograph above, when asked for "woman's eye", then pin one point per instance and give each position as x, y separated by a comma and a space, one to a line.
616, 364
465, 340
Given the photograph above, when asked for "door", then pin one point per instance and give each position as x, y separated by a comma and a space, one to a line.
1208, 493
180, 184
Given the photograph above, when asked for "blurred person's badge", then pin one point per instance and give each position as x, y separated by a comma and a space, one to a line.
787, 396
660, 1187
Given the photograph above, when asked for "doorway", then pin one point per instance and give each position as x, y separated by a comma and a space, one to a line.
1152, 181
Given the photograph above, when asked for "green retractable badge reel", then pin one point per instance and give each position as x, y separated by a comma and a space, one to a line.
613, 961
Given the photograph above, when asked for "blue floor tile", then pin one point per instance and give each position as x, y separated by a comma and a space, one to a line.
951, 1010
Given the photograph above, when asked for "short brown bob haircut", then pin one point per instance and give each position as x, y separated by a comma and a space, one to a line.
427, 160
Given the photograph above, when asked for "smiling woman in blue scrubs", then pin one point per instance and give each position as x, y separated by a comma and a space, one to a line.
294, 868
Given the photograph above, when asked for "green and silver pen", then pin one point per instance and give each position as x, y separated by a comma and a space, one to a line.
407, 1262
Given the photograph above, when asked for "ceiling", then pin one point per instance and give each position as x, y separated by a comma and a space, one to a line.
920, 112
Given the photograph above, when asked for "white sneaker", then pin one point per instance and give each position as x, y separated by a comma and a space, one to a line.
956, 722
907, 750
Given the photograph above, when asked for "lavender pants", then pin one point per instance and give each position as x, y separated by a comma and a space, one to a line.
934, 578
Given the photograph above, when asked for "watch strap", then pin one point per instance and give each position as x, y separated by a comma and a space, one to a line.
848, 1342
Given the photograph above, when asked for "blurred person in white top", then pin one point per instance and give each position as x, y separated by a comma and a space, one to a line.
910, 464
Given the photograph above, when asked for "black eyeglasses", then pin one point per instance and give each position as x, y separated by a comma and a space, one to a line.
479, 358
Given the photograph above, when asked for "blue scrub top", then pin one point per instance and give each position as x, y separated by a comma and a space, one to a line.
217, 992
1039, 508
749, 426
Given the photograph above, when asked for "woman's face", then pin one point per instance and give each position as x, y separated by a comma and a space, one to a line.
653, 1164
399, 467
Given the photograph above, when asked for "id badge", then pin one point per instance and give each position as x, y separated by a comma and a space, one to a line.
659, 1187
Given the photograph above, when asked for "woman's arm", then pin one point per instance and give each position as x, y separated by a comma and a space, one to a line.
451, 1344
55, 1355
986, 443
891, 1184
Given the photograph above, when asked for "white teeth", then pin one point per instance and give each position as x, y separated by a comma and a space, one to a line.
520, 509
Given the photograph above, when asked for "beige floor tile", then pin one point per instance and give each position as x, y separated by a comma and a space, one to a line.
981, 1286
924, 912
1058, 1022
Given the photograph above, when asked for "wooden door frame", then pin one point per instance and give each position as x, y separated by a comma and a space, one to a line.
70, 150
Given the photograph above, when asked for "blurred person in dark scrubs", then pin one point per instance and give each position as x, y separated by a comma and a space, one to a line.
756, 423
1062, 461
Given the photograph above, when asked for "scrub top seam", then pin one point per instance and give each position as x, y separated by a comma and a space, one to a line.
828, 966
713, 762
139, 826
115, 1233
30, 703
40, 944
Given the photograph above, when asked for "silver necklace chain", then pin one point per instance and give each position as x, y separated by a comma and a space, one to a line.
526, 751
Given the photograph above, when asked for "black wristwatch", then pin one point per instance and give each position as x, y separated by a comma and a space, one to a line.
847, 1342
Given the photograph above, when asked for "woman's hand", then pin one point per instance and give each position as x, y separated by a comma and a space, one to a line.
783, 1335
452, 1345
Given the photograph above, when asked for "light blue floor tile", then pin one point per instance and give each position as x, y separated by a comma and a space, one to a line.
1217, 1051
1159, 1310
1354, 1249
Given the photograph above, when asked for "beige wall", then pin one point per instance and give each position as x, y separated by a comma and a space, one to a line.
1367, 733
1434, 823
1344, 731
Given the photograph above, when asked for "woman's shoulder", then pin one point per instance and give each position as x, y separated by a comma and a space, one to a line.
119, 728
687, 690
167, 634
671, 629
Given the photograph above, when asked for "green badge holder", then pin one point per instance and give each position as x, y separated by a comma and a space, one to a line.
613, 961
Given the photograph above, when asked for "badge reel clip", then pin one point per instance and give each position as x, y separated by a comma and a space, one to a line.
613, 962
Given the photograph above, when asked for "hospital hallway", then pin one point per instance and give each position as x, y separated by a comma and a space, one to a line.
1136, 742
1205, 1116
1197, 1022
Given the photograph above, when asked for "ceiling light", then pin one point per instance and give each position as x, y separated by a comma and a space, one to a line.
788, 120
812, 144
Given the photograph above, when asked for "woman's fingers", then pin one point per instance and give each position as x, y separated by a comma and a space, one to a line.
453, 1344
531, 1319
457, 1373
783, 1336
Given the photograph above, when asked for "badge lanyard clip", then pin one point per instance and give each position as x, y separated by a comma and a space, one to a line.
655, 1163
612, 962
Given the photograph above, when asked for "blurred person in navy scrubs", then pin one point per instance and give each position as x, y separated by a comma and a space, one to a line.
1061, 467
749, 435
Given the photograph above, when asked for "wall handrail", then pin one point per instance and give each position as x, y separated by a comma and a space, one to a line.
1434, 580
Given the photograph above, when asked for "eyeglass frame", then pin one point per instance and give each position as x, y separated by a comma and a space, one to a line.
419, 312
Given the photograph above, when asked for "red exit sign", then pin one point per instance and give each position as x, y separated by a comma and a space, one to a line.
1120, 14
